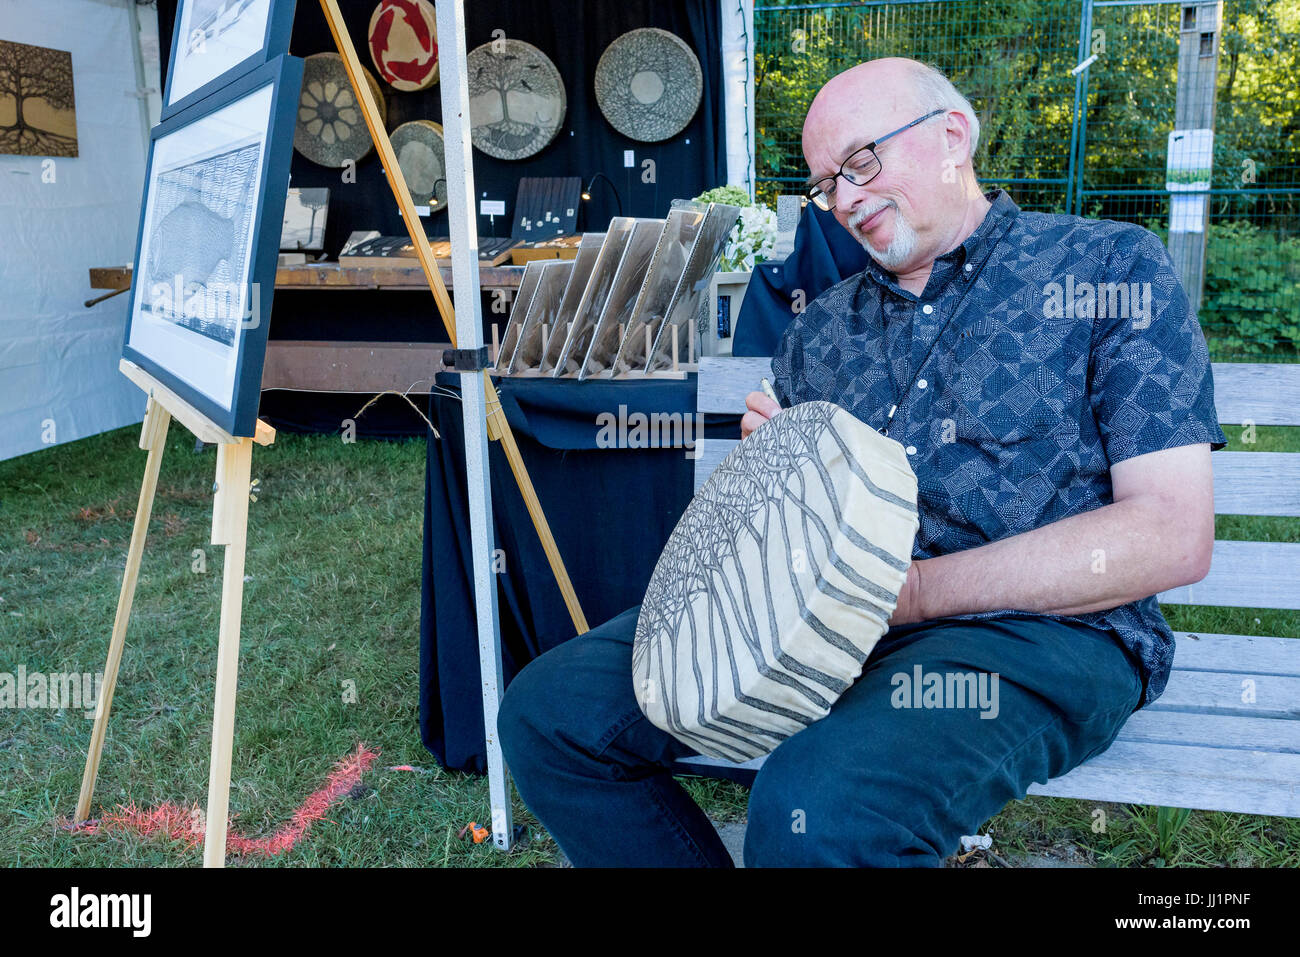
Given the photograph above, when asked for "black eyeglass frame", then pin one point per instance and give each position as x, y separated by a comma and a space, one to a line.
815, 190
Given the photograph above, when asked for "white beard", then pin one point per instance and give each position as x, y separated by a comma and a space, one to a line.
900, 248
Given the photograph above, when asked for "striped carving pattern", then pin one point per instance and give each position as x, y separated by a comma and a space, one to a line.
776, 583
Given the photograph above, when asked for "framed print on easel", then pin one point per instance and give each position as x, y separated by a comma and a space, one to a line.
216, 41
208, 243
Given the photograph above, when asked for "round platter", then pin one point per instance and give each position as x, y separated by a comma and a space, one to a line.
648, 84
516, 99
331, 130
420, 153
403, 39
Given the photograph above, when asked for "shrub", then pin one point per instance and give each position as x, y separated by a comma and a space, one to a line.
1251, 303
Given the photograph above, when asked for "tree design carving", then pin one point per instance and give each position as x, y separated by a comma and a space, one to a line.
37, 81
776, 583
517, 99
648, 84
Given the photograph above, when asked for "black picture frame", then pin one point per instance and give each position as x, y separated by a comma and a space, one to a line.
275, 42
239, 416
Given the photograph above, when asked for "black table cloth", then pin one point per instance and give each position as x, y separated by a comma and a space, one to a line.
610, 509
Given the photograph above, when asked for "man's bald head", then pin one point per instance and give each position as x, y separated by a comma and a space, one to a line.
884, 89
924, 189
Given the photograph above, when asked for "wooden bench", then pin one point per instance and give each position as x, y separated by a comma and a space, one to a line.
1206, 743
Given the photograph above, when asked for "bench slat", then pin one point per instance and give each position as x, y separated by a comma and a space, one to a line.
1245, 575
709, 455
724, 381
1220, 692
1172, 775
1252, 653
1256, 483
1212, 731
1262, 392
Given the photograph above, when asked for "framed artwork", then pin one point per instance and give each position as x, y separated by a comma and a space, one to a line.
665, 272
632, 268
217, 41
207, 247
304, 218
539, 324
38, 111
679, 323
581, 326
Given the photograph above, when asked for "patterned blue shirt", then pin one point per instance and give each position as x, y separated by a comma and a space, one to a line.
1043, 349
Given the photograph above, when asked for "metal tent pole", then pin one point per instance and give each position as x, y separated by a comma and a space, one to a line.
469, 336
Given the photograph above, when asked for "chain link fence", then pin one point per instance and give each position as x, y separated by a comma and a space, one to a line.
1094, 142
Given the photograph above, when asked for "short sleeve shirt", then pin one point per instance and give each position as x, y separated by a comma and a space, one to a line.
1043, 349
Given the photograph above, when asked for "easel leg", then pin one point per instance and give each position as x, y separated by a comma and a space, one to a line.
229, 528
153, 436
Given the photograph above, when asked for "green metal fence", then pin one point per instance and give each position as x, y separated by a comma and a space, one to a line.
1093, 142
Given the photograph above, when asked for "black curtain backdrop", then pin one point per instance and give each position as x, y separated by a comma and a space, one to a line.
573, 33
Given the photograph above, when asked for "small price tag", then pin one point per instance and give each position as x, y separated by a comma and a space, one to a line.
422, 210
492, 207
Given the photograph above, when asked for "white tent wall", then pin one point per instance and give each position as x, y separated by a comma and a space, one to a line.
59, 216
738, 90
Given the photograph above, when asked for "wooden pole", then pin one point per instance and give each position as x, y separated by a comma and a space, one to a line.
497, 426
229, 528
1194, 108
153, 437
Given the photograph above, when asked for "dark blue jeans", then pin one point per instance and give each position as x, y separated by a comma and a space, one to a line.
873, 784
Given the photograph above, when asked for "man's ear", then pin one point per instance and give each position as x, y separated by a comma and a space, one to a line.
956, 137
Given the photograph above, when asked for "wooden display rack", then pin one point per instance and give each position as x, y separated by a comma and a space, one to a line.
229, 528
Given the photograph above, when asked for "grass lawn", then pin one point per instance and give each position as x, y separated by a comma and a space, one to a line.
333, 596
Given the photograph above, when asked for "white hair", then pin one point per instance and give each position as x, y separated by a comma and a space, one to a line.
936, 92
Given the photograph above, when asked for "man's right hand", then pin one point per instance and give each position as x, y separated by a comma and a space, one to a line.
761, 408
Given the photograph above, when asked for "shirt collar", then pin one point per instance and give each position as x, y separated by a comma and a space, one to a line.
974, 250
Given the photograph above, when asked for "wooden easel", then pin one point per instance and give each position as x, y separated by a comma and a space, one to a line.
229, 528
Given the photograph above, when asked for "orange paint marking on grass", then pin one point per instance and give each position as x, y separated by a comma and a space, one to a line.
187, 824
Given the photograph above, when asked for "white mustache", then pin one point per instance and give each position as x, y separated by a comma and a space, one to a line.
866, 212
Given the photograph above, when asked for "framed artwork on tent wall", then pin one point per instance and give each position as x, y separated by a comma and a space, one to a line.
216, 41
208, 242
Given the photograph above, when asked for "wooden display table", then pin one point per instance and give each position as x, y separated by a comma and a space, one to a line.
334, 276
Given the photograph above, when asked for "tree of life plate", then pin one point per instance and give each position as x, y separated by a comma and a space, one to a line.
648, 84
516, 99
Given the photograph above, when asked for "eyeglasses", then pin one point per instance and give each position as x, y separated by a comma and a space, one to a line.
862, 166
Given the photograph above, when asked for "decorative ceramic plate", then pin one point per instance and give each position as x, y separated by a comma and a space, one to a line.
420, 154
648, 84
331, 130
516, 99
403, 37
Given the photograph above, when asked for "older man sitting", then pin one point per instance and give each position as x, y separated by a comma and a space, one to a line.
1052, 390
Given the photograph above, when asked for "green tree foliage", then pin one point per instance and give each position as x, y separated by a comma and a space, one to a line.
1013, 58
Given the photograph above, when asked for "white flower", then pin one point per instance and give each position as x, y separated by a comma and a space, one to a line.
751, 241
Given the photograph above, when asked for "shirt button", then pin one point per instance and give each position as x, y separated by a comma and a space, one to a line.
921, 383
927, 309
911, 450
968, 267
